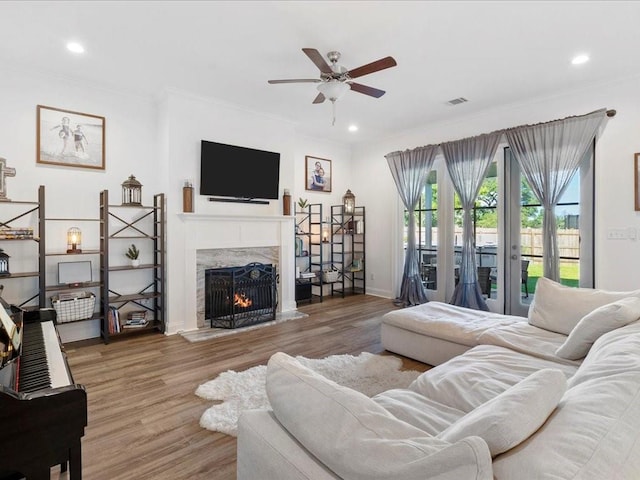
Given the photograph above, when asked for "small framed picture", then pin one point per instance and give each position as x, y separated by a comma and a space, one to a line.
317, 174
636, 181
70, 139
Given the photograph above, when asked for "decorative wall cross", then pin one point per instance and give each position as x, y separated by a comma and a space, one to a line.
4, 173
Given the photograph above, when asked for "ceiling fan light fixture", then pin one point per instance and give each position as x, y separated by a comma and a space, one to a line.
75, 47
333, 89
580, 59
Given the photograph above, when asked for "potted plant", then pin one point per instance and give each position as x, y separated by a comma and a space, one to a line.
132, 254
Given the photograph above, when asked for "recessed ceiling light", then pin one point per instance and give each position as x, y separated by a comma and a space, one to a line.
580, 59
75, 47
353, 128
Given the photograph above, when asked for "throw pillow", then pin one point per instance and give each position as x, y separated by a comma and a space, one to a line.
595, 324
559, 308
357, 438
513, 416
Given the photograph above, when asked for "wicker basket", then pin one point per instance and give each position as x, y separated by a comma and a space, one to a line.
330, 276
72, 308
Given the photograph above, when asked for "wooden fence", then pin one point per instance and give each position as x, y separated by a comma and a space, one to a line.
531, 240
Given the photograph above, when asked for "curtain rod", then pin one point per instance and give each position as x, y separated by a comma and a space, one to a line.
610, 113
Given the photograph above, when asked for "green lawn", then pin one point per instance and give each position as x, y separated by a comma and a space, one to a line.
569, 275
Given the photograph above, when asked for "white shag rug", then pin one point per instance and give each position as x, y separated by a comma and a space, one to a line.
368, 373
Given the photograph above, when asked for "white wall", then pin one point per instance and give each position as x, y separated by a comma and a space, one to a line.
130, 148
189, 120
340, 156
614, 178
156, 140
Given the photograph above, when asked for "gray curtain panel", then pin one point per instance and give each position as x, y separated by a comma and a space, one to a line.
410, 169
549, 155
467, 162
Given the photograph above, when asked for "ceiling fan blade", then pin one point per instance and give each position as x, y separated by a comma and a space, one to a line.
386, 62
318, 59
296, 80
373, 92
319, 99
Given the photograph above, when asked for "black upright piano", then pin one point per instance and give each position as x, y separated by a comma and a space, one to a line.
43, 413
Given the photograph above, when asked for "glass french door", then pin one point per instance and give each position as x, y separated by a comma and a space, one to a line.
523, 235
507, 223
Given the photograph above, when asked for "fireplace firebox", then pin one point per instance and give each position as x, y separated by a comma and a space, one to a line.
240, 296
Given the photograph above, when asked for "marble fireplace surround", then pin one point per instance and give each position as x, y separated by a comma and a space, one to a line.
235, 240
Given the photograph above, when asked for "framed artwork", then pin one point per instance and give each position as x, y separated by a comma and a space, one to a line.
317, 174
70, 139
636, 181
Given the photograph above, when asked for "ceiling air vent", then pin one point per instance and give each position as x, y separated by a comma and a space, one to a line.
457, 101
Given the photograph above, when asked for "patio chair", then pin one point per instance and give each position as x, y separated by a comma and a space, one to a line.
525, 277
429, 277
484, 279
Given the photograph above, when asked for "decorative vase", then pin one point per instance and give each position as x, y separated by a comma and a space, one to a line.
135, 262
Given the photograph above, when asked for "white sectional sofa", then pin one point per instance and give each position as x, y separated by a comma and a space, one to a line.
552, 396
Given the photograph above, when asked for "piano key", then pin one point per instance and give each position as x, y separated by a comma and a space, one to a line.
42, 361
57, 364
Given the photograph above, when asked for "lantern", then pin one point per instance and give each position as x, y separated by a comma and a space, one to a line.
131, 191
325, 231
74, 240
4, 264
349, 202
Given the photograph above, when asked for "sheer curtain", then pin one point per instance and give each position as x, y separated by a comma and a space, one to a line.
549, 155
410, 169
467, 162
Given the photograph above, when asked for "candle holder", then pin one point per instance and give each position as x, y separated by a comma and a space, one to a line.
325, 233
74, 240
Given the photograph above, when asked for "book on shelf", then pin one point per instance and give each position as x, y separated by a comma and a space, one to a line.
113, 320
16, 233
136, 324
136, 319
137, 315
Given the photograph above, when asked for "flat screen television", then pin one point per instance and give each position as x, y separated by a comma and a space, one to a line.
238, 172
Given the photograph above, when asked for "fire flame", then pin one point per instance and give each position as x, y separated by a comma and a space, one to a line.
241, 300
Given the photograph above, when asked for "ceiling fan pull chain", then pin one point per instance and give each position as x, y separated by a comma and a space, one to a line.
333, 106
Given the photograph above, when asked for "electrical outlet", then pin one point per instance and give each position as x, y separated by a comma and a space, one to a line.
632, 234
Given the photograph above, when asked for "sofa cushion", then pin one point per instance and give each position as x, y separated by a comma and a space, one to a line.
421, 412
511, 417
478, 375
449, 322
559, 308
594, 433
357, 438
526, 338
600, 321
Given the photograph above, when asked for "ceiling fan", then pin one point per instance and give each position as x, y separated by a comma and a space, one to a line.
335, 80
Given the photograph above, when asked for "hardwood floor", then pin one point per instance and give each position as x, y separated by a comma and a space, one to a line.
144, 414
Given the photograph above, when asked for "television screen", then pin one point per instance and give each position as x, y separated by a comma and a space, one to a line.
239, 172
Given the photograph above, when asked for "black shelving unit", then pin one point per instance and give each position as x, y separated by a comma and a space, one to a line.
19, 211
311, 256
47, 289
348, 250
128, 231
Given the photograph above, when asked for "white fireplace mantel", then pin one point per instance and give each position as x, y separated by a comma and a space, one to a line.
211, 231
